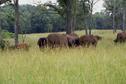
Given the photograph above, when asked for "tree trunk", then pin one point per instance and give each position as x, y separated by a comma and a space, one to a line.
0, 29
90, 27
124, 19
16, 22
113, 22
74, 23
91, 22
85, 17
74, 8
91, 18
86, 28
70, 18
113, 18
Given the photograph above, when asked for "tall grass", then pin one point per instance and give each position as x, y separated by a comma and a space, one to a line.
105, 64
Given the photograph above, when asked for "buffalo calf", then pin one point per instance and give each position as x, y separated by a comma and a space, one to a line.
23, 46
73, 41
42, 42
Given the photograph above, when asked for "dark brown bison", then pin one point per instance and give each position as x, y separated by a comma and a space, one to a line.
87, 40
121, 37
73, 40
42, 42
57, 40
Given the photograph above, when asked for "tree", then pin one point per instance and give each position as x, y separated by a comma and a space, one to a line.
123, 2
85, 14
17, 26
91, 4
67, 8
1, 2
87, 6
116, 8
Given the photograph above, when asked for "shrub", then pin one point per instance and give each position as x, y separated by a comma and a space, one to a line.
6, 34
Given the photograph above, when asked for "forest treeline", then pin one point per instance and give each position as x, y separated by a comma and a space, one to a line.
39, 19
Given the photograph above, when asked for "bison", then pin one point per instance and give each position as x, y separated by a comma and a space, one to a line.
57, 40
121, 37
73, 40
42, 42
22, 46
87, 40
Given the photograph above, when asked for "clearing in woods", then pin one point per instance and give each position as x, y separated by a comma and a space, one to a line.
105, 64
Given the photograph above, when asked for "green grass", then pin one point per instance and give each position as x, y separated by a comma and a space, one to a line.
105, 64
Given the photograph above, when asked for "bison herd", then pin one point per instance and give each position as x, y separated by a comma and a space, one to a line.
73, 40
64, 40
68, 40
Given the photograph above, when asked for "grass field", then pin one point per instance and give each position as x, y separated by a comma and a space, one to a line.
105, 64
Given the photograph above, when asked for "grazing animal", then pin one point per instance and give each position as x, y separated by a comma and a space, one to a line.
73, 40
57, 40
121, 37
87, 40
23, 46
42, 42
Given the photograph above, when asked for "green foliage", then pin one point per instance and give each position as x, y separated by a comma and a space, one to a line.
116, 9
6, 34
33, 19
39, 19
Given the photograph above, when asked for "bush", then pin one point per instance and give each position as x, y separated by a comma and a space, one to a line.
6, 34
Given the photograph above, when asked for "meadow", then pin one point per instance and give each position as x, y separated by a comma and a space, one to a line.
105, 64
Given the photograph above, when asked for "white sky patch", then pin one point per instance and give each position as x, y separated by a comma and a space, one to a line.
35, 1
97, 8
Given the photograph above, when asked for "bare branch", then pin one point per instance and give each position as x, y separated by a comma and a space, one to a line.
3, 1
59, 10
96, 2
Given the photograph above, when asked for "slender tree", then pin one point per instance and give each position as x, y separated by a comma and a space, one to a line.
92, 3
117, 9
113, 16
17, 26
0, 26
124, 14
85, 15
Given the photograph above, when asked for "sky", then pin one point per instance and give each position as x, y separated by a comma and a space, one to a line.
97, 8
